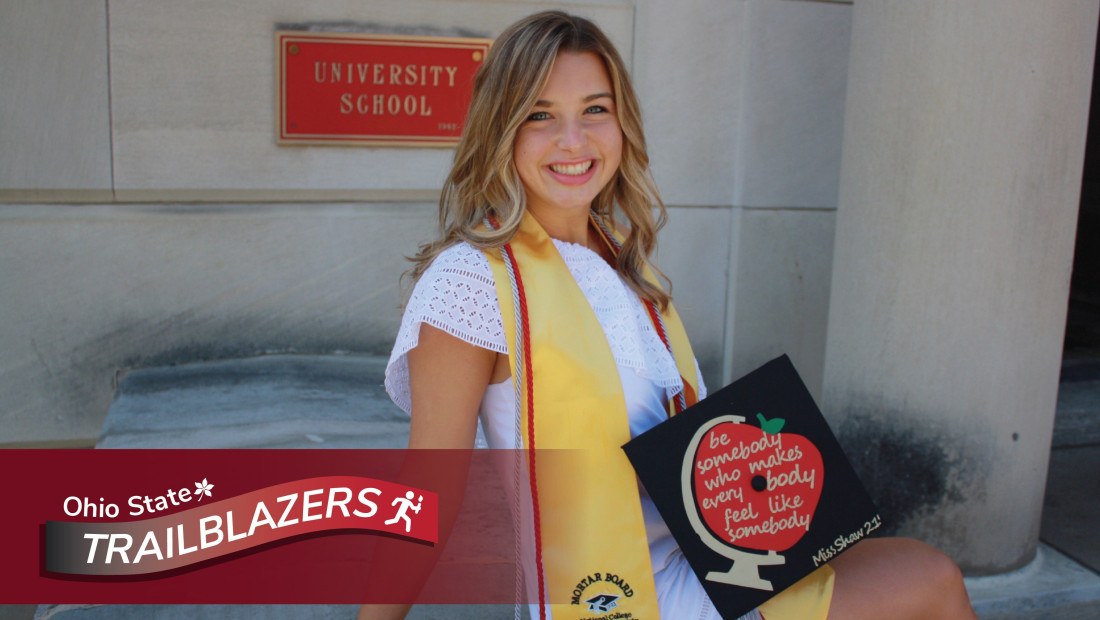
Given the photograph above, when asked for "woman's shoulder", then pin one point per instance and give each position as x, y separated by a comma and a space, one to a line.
462, 259
457, 282
457, 293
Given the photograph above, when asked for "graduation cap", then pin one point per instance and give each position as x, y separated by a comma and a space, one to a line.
754, 487
602, 603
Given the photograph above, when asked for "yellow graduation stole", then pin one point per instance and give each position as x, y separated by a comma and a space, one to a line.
591, 552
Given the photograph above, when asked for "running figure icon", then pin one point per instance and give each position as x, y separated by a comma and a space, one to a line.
405, 504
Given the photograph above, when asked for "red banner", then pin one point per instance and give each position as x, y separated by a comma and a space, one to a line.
256, 526
220, 528
375, 89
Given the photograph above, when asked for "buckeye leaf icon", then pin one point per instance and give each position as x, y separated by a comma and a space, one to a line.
203, 488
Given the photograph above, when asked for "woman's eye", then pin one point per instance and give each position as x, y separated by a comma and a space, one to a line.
538, 116
596, 109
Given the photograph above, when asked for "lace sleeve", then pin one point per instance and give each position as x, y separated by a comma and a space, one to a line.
457, 295
702, 386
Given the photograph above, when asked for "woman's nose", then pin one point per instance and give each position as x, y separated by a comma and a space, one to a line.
571, 136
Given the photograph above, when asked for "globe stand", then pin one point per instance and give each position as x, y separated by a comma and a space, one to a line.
745, 571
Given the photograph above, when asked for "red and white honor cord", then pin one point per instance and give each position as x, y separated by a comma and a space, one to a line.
523, 380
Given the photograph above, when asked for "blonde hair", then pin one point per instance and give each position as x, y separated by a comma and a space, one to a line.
483, 180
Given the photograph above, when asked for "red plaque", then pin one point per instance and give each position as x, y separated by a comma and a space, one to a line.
372, 89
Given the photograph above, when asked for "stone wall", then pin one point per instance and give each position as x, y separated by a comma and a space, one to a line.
147, 216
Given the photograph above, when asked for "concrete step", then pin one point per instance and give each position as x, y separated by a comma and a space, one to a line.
276, 401
1051, 586
279, 401
1077, 421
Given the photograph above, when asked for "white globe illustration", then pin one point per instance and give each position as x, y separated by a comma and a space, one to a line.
745, 570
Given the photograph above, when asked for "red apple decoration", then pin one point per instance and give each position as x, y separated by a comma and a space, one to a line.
757, 488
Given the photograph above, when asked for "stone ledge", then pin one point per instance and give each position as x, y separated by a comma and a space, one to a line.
1077, 422
275, 401
1050, 586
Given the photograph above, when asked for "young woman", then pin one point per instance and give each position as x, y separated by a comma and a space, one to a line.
535, 310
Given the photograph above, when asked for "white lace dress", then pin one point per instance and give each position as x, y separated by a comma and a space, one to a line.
457, 294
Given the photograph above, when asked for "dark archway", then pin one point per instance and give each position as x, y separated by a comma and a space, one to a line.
1078, 420
1082, 344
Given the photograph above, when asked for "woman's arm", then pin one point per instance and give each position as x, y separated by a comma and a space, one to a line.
447, 380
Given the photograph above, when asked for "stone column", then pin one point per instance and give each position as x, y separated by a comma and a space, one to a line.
960, 176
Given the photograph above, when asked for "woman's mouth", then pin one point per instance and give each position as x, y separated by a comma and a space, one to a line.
572, 170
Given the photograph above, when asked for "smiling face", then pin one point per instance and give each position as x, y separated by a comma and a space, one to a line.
569, 146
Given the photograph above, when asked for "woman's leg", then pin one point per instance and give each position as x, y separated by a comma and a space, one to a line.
897, 578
